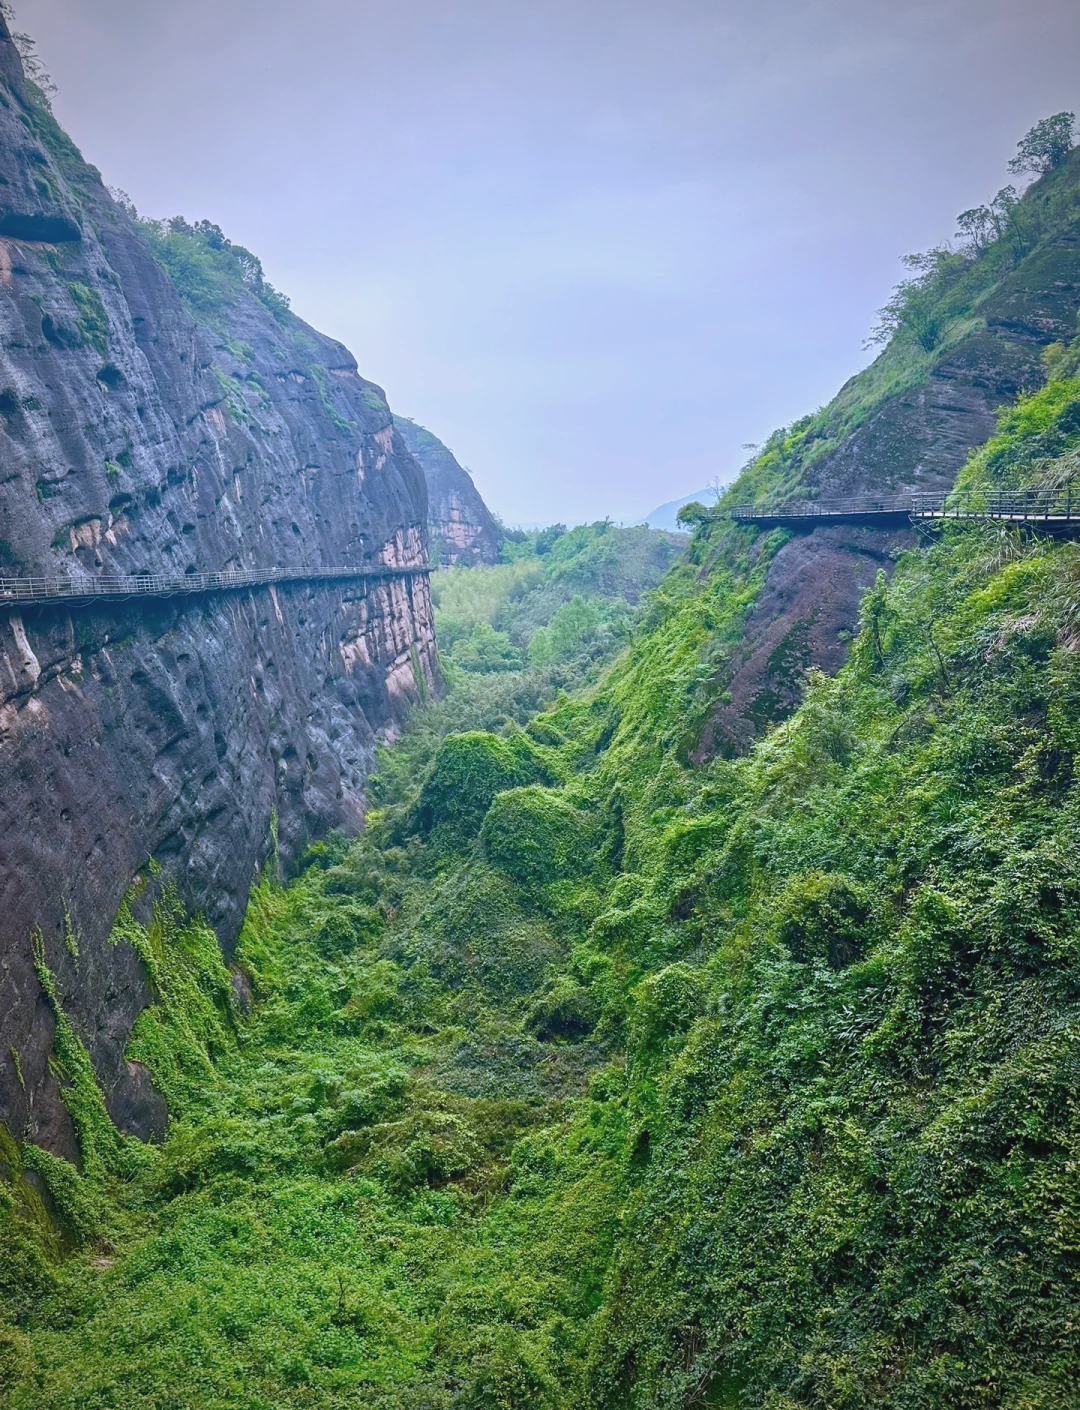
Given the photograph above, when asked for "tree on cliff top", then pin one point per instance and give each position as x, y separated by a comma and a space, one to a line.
1045, 146
37, 75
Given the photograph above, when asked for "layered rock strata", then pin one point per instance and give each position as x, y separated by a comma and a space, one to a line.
140, 435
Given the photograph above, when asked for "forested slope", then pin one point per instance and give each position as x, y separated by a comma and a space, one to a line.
962, 336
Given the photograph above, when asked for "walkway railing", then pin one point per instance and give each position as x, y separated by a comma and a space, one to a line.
826, 508
1052, 508
1058, 505
88, 588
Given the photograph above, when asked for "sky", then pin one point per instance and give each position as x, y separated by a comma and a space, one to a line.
599, 247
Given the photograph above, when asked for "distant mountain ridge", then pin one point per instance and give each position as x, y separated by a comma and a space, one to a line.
664, 515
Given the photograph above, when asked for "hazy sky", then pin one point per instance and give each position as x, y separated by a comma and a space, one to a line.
595, 245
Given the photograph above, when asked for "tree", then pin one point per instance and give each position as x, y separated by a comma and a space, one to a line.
547, 538
916, 306
693, 513
982, 225
1046, 146
1003, 209
976, 229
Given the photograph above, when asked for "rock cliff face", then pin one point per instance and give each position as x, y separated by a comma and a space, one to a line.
461, 525
139, 435
916, 438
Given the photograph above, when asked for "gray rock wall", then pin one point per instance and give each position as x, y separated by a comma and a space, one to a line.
462, 527
136, 436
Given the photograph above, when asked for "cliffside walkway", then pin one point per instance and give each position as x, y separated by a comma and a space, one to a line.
1046, 511
84, 589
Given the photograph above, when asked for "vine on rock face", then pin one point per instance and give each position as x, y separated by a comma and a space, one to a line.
100, 1144
194, 1014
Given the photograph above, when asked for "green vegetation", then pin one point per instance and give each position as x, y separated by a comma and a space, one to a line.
1046, 145
513, 636
321, 378
1036, 443
92, 321
591, 1078
949, 284
209, 271
594, 1077
947, 300
536, 835
563, 602
38, 78
468, 772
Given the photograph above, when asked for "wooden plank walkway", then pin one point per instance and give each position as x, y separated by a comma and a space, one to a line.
84, 589
1049, 511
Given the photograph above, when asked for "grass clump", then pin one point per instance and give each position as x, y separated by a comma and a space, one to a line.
92, 321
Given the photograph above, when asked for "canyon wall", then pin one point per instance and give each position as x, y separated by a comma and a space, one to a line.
153, 425
463, 529
907, 423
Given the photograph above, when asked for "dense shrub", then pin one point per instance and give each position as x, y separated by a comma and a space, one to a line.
819, 917
536, 835
467, 773
664, 1005
209, 271
567, 1011
424, 1148
344, 927
485, 649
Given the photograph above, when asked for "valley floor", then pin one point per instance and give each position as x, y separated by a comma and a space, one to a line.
592, 1076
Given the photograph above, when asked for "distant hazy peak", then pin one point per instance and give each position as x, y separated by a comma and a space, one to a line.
663, 516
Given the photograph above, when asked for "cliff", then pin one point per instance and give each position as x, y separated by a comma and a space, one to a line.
462, 527
178, 424
972, 342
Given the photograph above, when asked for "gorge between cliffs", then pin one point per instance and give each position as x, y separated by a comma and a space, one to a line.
467, 967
